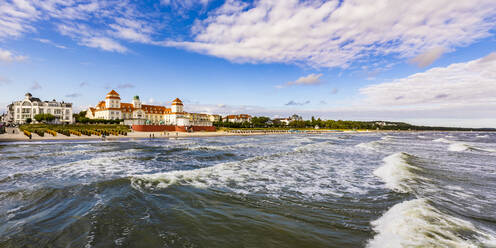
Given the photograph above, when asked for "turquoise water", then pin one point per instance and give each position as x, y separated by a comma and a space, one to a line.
421, 189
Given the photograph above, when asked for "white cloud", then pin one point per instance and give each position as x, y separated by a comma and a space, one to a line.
8, 56
457, 85
49, 42
82, 21
184, 3
103, 43
428, 57
311, 79
335, 33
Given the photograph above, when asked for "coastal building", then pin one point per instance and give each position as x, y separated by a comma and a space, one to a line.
238, 118
215, 118
286, 121
137, 113
283, 121
20, 111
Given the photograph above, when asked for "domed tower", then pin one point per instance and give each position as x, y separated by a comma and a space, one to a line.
28, 96
113, 100
136, 102
177, 106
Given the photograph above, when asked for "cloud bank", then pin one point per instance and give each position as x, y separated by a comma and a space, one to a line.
461, 84
337, 33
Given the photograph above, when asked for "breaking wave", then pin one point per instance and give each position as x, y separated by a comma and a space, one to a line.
397, 172
306, 172
415, 223
369, 145
458, 147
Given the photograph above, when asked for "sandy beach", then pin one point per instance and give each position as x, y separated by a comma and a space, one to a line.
18, 136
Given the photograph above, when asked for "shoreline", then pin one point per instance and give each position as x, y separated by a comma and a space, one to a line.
5, 138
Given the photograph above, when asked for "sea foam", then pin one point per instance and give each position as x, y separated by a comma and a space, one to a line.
415, 223
396, 172
458, 147
305, 172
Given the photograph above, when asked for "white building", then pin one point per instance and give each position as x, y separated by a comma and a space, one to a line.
137, 113
20, 111
284, 121
238, 118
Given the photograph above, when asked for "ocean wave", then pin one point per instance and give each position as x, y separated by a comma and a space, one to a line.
458, 147
415, 223
373, 145
442, 140
314, 146
87, 170
397, 173
288, 174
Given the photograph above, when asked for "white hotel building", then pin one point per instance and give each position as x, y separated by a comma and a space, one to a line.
112, 108
20, 111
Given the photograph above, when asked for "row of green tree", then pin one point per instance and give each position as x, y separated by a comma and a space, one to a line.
266, 122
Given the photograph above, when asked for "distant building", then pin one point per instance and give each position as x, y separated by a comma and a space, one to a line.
238, 118
286, 121
215, 118
20, 111
137, 113
283, 121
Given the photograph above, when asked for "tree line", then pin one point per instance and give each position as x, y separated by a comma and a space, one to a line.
266, 122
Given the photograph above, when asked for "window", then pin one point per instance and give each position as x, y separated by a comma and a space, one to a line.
66, 111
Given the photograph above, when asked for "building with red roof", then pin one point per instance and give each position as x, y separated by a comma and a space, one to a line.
113, 109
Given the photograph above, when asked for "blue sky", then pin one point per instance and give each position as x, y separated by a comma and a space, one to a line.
424, 62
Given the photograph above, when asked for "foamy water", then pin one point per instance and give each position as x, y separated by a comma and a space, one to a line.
335, 190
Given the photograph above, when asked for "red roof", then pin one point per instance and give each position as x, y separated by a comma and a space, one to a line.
177, 102
113, 92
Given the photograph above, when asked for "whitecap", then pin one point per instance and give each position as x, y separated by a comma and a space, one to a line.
396, 172
373, 145
301, 174
415, 223
458, 147
442, 140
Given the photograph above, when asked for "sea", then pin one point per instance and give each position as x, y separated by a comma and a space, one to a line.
397, 189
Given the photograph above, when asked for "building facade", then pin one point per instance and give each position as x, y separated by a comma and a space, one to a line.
238, 118
138, 113
20, 111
